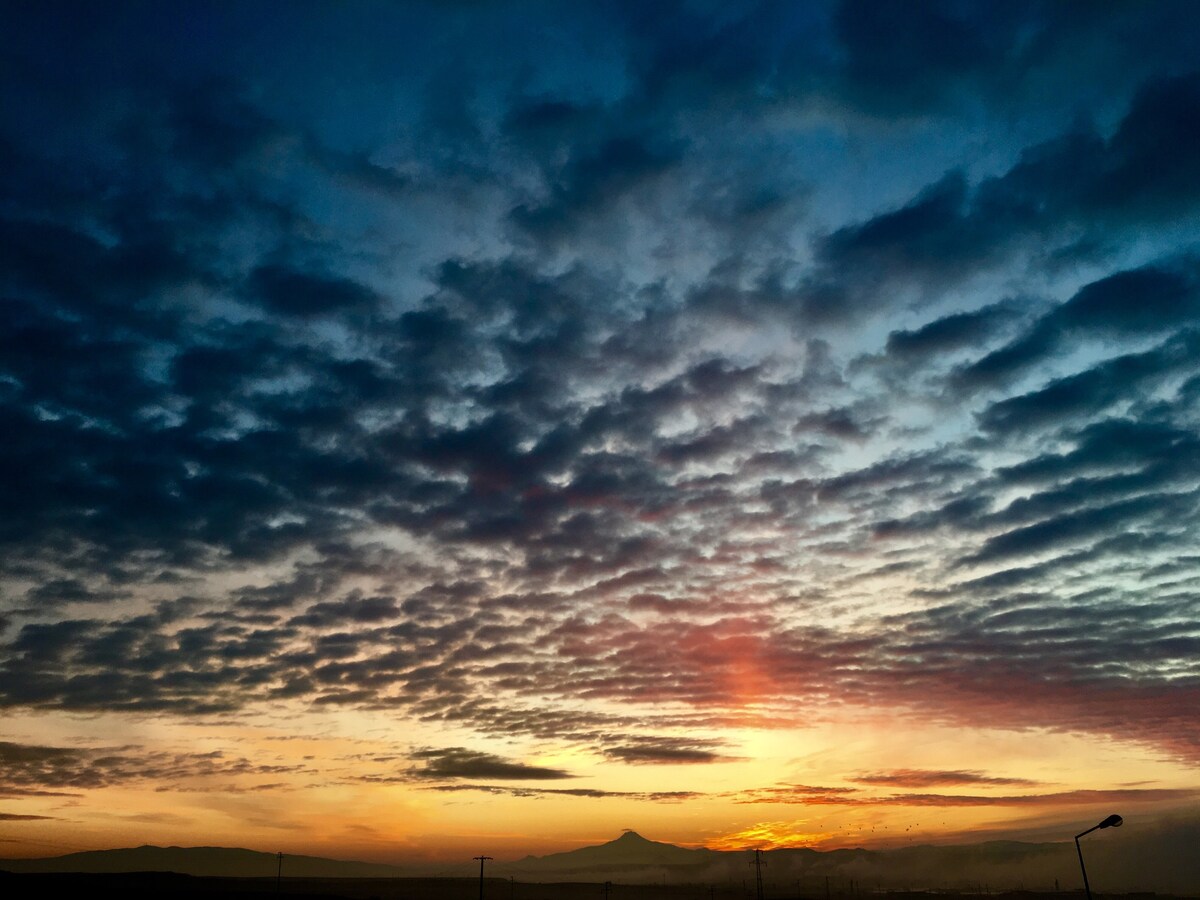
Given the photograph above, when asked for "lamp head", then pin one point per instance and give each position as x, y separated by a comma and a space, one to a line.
1112, 821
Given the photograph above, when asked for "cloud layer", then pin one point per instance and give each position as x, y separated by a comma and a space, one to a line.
673, 372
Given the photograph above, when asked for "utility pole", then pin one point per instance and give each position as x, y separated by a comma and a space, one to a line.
607, 888
758, 864
481, 859
279, 872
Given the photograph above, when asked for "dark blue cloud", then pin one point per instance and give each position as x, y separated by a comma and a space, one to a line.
964, 330
477, 379
1150, 300
1058, 196
290, 292
901, 58
596, 179
1094, 390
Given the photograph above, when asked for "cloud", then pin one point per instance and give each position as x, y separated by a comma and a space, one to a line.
459, 762
932, 778
582, 793
290, 292
1094, 390
1061, 798
667, 751
931, 232
898, 59
28, 768
34, 792
1133, 175
1068, 529
958, 331
354, 609
1151, 300
1056, 799
67, 590
588, 402
800, 793
599, 178
951, 231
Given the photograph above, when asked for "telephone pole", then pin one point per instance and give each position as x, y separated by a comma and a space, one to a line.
279, 872
758, 864
481, 859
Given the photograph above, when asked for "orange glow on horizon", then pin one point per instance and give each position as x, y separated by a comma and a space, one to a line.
770, 836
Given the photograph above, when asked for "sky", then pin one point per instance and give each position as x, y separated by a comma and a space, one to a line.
434, 429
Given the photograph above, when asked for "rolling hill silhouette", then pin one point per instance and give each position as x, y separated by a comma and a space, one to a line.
1159, 859
223, 861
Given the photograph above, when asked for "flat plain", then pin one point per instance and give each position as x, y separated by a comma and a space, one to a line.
137, 885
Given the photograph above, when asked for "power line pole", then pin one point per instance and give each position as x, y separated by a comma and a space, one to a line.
279, 872
607, 888
481, 859
758, 864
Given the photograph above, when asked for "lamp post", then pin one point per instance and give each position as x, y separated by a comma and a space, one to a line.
1111, 822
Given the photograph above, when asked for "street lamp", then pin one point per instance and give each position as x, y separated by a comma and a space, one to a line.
1111, 822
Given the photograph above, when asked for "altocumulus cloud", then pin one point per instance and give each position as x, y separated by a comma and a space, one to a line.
577, 382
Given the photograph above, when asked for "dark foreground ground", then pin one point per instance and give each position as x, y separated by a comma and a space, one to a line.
159, 885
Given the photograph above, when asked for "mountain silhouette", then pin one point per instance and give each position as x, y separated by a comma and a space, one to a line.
629, 851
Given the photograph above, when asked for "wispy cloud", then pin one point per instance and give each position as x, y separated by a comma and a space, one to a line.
914, 778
